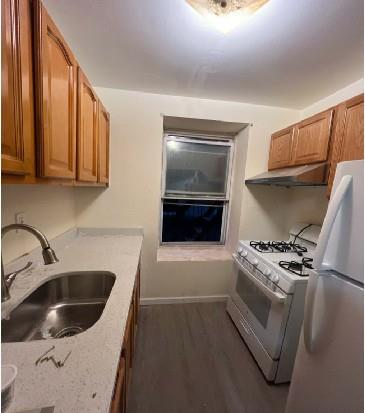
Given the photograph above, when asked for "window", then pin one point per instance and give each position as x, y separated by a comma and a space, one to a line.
195, 189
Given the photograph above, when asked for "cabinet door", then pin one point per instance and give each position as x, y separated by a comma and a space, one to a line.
311, 139
104, 126
87, 131
56, 72
349, 134
127, 348
281, 148
17, 129
119, 397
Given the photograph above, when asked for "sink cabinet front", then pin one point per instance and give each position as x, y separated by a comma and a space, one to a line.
122, 381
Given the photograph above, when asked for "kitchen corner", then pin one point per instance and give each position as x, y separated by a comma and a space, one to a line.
86, 381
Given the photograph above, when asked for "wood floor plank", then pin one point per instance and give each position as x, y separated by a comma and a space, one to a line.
191, 359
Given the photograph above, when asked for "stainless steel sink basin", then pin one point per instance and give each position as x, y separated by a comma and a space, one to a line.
61, 307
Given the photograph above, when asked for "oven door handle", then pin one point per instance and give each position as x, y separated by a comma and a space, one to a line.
275, 297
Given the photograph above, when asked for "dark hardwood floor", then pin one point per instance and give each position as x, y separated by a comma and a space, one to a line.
191, 358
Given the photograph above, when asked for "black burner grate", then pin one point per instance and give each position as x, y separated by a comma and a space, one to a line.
297, 268
277, 246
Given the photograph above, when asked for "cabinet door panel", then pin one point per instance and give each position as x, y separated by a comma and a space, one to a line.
349, 134
353, 134
118, 404
281, 148
104, 126
17, 130
87, 137
311, 139
56, 100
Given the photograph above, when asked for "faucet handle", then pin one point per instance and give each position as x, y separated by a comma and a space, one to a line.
9, 278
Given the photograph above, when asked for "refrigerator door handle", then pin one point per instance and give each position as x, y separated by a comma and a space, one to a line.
333, 208
309, 311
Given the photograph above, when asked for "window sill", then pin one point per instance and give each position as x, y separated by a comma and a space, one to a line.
201, 253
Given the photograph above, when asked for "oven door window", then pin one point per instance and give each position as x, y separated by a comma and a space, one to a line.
254, 299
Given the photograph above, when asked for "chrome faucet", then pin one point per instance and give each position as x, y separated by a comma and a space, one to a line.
49, 256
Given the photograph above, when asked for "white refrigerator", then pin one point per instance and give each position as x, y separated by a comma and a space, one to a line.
328, 371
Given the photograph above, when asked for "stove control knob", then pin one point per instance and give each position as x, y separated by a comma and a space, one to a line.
267, 272
244, 253
274, 278
255, 262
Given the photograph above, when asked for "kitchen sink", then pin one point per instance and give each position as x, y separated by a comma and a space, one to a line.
61, 307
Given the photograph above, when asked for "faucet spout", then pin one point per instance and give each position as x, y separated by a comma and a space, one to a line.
49, 256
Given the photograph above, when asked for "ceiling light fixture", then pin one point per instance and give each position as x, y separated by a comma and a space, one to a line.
225, 15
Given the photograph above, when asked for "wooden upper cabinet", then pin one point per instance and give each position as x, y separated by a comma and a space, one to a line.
281, 148
348, 142
351, 130
56, 98
87, 131
104, 126
17, 128
311, 139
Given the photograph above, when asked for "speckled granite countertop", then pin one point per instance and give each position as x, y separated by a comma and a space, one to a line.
86, 382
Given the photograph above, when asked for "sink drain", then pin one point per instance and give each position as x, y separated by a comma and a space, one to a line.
69, 332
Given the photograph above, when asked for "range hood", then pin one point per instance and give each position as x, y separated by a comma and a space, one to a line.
305, 175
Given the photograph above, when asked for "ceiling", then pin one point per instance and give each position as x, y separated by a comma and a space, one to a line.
289, 53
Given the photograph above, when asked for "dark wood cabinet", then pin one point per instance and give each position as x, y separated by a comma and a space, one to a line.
123, 377
17, 125
119, 401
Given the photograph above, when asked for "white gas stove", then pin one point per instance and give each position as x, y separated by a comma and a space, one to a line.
267, 297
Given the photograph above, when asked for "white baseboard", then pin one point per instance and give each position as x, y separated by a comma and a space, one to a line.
181, 300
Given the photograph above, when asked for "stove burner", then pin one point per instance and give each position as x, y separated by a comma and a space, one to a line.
296, 267
277, 246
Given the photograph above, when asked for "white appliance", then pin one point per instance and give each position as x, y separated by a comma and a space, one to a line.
267, 297
328, 373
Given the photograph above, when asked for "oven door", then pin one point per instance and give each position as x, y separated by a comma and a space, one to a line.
263, 305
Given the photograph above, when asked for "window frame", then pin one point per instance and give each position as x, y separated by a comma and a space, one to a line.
209, 140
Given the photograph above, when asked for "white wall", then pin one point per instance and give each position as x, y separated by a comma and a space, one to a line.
49, 208
343, 94
134, 195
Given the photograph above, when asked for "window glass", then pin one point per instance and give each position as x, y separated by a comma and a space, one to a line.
192, 221
196, 168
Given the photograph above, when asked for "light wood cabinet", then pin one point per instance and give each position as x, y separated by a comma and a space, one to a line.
17, 128
311, 139
332, 136
50, 114
104, 131
56, 97
87, 130
281, 148
349, 135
